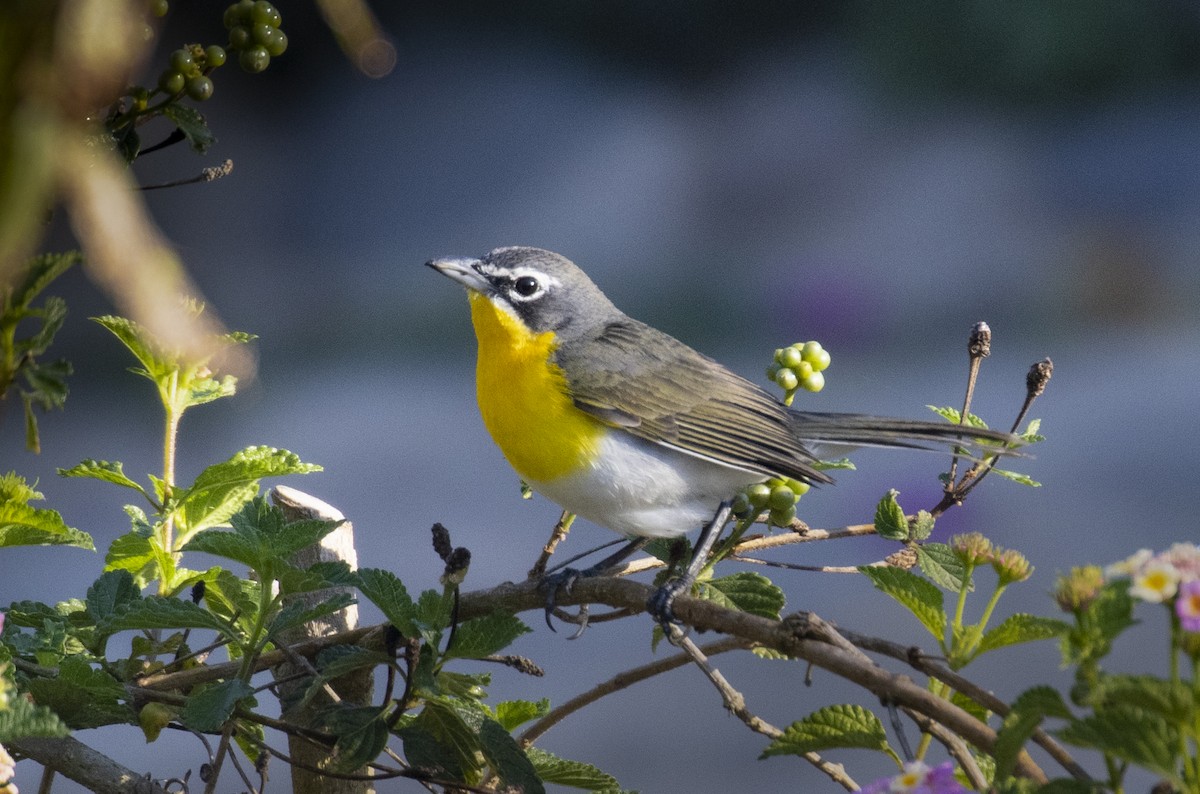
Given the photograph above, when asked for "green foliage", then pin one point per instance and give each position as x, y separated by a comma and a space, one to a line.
745, 591
81, 696
209, 708
890, 521
943, 567
38, 384
831, 727
24, 525
918, 595
485, 636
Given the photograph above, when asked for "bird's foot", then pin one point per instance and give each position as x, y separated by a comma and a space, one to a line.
660, 601
563, 580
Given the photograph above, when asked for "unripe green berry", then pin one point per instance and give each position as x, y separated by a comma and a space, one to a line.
790, 357
278, 43
799, 488
758, 495
787, 379
239, 38
182, 61
782, 518
741, 505
171, 81
199, 87
214, 56
803, 370
781, 498
816, 355
159, 8
254, 59
265, 13
231, 17
814, 382
260, 33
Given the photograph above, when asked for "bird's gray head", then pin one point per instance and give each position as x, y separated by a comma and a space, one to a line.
546, 291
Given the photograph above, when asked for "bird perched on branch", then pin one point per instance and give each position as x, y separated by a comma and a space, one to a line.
630, 428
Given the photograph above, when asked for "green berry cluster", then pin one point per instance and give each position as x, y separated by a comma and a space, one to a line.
778, 496
799, 366
254, 33
187, 72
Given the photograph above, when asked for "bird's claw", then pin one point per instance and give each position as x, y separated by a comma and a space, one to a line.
550, 584
660, 601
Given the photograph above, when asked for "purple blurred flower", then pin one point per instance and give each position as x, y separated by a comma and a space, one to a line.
1187, 605
917, 778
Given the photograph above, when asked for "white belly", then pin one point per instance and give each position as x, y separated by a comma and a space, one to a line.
640, 488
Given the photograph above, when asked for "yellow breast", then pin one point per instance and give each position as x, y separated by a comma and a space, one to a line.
524, 399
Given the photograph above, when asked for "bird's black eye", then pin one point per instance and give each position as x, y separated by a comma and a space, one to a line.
526, 286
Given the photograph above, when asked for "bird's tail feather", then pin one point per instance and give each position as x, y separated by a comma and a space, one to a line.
864, 430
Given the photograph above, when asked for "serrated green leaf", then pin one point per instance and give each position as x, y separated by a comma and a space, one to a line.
1021, 628
831, 465
14, 488
22, 525
433, 612
261, 538
890, 522
33, 614
159, 612
250, 736
112, 591
918, 595
297, 613
156, 365
192, 124
1022, 479
1173, 701
21, 719
339, 660
746, 591
40, 271
1129, 733
81, 696
512, 713
138, 552
830, 727
922, 525
361, 733
970, 706
507, 760
954, 416
943, 567
107, 471
205, 390
573, 774
1027, 712
231, 597
211, 707
481, 637
385, 590
424, 751
453, 735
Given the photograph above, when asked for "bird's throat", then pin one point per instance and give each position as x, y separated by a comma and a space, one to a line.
525, 399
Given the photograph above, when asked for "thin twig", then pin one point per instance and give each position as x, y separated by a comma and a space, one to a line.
979, 347
561, 528
210, 174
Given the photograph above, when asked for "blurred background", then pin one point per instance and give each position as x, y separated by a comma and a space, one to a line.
876, 176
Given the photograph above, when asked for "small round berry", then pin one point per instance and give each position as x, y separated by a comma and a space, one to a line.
182, 61
758, 495
790, 357
782, 518
803, 370
816, 355
260, 33
814, 382
231, 17
741, 506
787, 379
199, 87
214, 56
278, 43
159, 8
239, 38
781, 498
254, 59
265, 13
799, 488
171, 81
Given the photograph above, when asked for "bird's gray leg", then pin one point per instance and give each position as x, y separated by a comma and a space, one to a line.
567, 577
659, 604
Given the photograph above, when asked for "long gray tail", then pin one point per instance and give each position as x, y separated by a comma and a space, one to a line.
864, 430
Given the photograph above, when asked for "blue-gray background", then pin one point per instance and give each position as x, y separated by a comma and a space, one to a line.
876, 178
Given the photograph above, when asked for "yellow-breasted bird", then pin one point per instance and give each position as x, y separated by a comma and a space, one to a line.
628, 427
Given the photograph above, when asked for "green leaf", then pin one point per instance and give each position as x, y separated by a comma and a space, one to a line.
922, 525
81, 696
890, 522
139, 552
385, 590
508, 760
340, 660
261, 538
433, 613
298, 613
954, 416
224, 488
39, 272
972, 707
482, 637
1027, 713
1021, 628
1023, 479
112, 591
21, 719
828, 728
156, 365
14, 488
832, 465
192, 124
512, 713
1173, 701
574, 774
361, 734
458, 741
22, 525
1129, 733
942, 566
746, 591
210, 708
159, 612
231, 597
921, 597
108, 471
